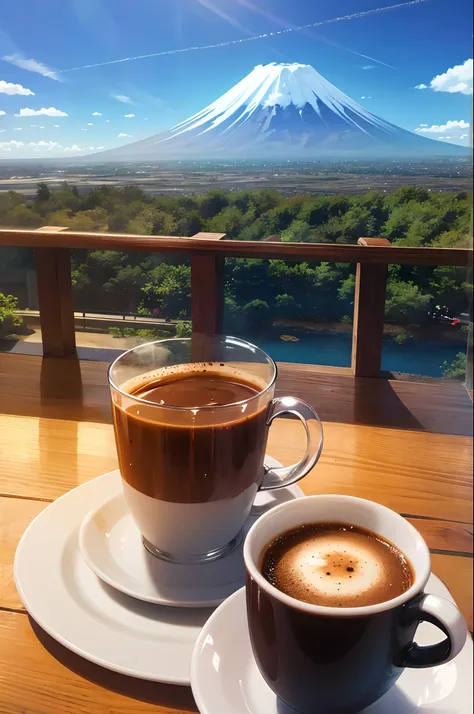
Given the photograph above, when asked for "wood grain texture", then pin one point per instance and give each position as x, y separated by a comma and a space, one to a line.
40, 676
77, 390
442, 407
36, 670
55, 434
457, 574
16, 514
207, 294
252, 249
369, 316
412, 472
445, 535
56, 304
203, 235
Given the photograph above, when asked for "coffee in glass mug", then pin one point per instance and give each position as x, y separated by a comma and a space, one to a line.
191, 421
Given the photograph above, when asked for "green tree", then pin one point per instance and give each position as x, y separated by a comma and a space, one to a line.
297, 232
168, 288
125, 287
9, 321
286, 306
455, 369
257, 313
229, 221
213, 202
405, 303
184, 328
42, 192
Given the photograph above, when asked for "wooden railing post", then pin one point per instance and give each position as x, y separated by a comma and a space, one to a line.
207, 289
369, 313
56, 305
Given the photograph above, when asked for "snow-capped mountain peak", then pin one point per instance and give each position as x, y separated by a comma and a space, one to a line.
281, 110
274, 85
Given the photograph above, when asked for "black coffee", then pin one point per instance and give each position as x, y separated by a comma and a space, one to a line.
166, 458
336, 565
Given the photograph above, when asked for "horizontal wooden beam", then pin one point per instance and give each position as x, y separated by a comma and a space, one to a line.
396, 255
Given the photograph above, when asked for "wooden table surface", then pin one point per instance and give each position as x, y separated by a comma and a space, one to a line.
55, 434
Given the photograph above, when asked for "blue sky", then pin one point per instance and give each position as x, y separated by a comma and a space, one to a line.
427, 43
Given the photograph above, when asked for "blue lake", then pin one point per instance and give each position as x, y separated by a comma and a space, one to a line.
334, 348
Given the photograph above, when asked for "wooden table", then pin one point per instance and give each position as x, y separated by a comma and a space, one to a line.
55, 434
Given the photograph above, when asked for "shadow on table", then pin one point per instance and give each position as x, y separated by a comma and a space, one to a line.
166, 695
442, 407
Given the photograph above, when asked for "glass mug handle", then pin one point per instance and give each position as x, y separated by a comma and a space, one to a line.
282, 476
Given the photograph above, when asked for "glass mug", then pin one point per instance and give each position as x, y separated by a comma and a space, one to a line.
191, 474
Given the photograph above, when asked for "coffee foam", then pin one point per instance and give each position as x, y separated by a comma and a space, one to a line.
335, 565
225, 370
327, 568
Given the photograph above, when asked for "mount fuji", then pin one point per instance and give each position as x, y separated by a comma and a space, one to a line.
282, 111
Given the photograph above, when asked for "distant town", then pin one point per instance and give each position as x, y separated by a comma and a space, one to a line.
176, 178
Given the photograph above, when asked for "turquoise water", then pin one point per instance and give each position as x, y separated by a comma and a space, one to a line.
334, 348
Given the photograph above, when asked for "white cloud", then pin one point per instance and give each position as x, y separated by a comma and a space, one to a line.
421, 86
129, 116
9, 145
32, 125
368, 66
74, 147
99, 148
96, 114
107, 121
18, 128
122, 134
31, 65
457, 79
2, 131
56, 126
464, 136
42, 127
90, 123
441, 128
2, 114
9, 88
122, 98
84, 129
49, 145
145, 118
50, 112
423, 125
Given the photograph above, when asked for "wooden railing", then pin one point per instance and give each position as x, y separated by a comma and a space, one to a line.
207, 253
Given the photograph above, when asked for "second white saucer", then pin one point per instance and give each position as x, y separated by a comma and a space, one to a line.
112, 547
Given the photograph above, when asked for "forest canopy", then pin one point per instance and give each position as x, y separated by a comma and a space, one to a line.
257, 291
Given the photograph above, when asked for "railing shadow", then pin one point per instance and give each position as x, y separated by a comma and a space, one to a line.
166, 695
442, 408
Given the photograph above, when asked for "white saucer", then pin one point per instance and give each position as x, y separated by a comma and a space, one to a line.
225, 678
112, 547
77, 609
86, 615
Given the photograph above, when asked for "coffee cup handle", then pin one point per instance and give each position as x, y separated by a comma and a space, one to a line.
282, 476
446, 617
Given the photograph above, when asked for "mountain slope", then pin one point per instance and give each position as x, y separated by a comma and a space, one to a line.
282, 111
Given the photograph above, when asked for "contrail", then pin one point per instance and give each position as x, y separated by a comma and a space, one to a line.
275, 33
